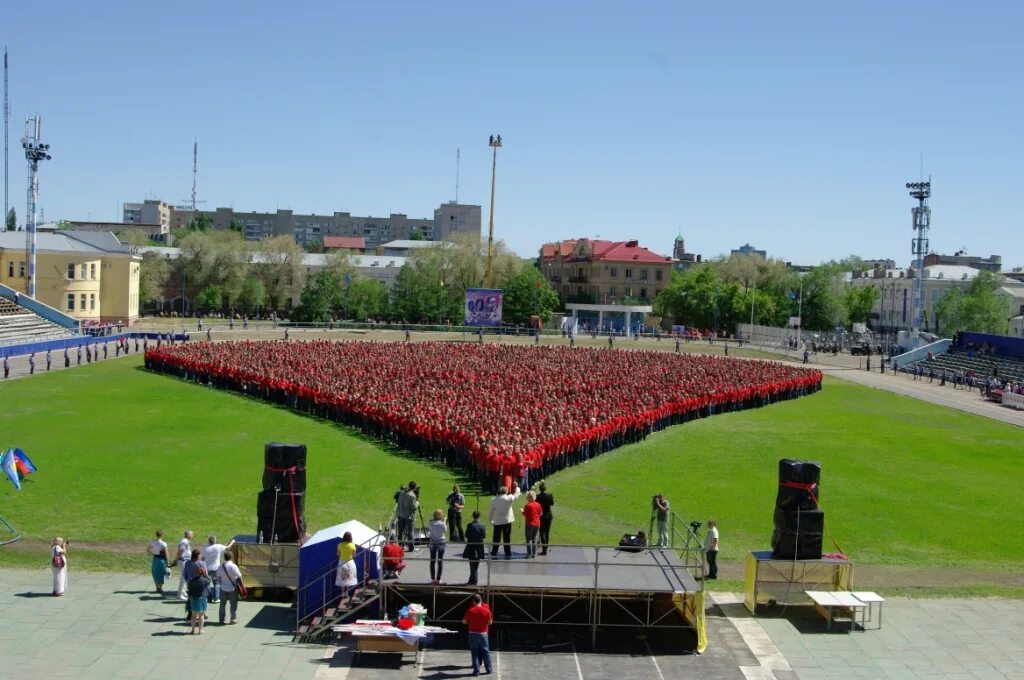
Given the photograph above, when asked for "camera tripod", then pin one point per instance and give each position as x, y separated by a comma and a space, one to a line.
418, 535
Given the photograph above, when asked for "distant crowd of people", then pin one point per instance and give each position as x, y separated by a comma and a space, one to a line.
491, 410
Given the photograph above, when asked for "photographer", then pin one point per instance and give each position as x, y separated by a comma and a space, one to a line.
660, 506
407, 503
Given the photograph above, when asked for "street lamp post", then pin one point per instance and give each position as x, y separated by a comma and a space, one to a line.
494, 143
348, 280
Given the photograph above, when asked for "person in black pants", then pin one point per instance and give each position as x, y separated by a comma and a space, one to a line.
476, 534
456, 501
546, 500
501, 519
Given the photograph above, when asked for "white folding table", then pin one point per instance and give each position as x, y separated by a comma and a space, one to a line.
870, 599
827, 603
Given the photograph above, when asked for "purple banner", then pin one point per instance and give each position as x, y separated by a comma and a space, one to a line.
483, 306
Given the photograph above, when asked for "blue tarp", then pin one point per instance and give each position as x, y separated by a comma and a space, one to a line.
318, 563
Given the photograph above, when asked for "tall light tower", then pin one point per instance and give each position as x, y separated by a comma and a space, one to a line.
495, 143
919, 246
35, 151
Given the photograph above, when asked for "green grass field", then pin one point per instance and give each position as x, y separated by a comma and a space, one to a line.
121, 452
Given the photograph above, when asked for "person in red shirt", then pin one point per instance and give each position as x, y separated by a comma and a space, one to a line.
478, 618
393, 555
531, 516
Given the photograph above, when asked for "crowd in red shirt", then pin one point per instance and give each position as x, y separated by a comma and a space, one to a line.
502, 411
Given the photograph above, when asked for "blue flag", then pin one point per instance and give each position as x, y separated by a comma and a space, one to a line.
10, 469
792, 295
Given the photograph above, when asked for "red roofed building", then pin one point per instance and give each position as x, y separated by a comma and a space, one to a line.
344, 243
604, 272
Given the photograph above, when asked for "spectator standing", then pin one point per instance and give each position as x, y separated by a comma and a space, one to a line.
7, 367
476, 534
478, 619
59, 565
198, 587
157, 549
531, 520
67, 359
181, 559
49, 360
436, 530
231, 586
501, 519
661, 508
408, 503
211, 555
547, 500
189, 572
456, 502
711, 549
32, 363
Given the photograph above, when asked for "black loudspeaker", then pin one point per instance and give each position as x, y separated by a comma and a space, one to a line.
283, 456
285, 517
284, 467
798, 485
798, 534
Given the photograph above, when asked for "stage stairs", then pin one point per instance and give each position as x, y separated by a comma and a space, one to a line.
318, 628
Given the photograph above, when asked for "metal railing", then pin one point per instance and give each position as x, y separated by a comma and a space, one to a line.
324, 582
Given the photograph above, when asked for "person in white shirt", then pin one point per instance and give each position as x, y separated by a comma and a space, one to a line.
157, 549
211, 555
501, 518
711, 549
184, 555
229, 582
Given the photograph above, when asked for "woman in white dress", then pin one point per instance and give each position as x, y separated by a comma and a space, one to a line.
59, 564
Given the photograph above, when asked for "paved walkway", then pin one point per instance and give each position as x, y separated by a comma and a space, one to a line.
114, 626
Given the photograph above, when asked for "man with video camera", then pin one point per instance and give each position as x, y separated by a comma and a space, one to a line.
407, 501
660, 505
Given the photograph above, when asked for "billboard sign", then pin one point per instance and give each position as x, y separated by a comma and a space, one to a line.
483, 306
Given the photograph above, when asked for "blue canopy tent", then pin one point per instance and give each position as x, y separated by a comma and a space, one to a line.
318, 563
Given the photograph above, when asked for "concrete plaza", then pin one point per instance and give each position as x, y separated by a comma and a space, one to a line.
114, 626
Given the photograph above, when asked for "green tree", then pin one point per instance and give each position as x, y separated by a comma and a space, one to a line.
527, 293
279, 262
209, 299
319, 297
236, 226
823, 297
416, 235
366, 298
217, 258
253, 295
12, 220
976, 308
858, 302
154, 273
692, 297
133, 237
415, 295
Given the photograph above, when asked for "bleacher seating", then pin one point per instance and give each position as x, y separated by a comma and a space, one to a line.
17, 324
983, 365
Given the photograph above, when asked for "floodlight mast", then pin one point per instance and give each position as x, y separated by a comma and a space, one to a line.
919, 248
35, 152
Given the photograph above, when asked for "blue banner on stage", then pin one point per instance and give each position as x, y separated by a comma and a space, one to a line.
483, 306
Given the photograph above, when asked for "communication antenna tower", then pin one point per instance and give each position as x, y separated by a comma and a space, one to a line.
194, 203
7, 125
35, 152
919, 245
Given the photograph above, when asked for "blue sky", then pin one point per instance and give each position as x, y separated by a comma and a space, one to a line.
792, 126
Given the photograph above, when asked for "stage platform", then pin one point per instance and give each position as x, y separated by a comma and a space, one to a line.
596, 587
570, 567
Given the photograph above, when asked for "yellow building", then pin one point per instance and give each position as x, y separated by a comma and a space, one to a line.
90, 276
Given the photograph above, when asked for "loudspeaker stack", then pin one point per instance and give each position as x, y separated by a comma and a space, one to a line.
281, 506
799, 522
